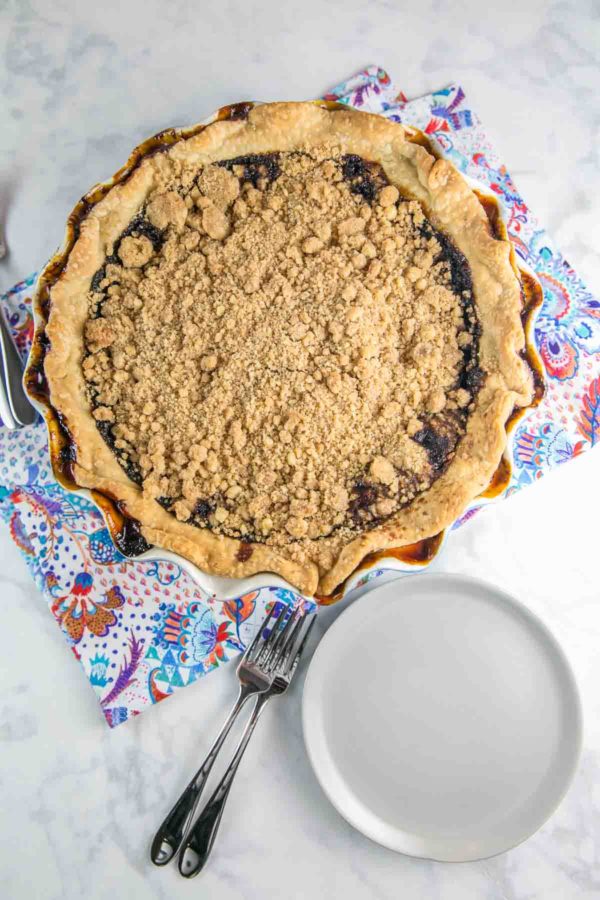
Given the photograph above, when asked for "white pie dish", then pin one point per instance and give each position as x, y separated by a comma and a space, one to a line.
387, 566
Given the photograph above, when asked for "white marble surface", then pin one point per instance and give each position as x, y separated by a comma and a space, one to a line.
82, 83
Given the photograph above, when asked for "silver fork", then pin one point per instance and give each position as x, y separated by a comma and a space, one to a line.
17, 410
200, 840
255, 674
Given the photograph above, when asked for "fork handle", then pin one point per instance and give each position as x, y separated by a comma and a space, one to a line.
201, 837
22, 411
171, 833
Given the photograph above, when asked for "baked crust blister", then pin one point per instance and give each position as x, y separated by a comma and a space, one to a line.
315, 536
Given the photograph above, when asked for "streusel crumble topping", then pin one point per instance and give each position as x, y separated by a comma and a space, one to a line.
282, 347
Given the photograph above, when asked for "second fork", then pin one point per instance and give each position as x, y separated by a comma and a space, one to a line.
199, 842
255, 673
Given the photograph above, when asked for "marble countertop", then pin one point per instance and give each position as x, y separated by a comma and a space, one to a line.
83, 83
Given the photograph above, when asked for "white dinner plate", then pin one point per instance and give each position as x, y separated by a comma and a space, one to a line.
442, 718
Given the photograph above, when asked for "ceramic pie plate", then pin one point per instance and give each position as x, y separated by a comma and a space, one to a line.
124, 529
450, 726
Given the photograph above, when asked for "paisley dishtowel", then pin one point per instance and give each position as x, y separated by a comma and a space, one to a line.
143, 630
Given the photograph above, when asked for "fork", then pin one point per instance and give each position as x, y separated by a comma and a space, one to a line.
255, 673
16, 409
201, 838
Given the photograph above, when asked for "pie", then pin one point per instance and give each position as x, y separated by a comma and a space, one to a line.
287, 341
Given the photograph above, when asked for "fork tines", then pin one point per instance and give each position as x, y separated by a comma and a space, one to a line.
270, 647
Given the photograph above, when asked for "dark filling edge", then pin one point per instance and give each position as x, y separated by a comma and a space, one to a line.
366, 179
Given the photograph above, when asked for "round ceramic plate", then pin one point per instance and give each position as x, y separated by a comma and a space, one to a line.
442, 718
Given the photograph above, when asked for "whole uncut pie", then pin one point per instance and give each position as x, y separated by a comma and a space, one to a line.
288, 341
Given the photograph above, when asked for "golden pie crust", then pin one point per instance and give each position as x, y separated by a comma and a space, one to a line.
312, 560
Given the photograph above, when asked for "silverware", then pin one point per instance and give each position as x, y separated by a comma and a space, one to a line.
201, 837
18, 410
15, 408
255, 672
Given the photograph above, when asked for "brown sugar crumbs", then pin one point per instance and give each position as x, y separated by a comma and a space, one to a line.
281, 348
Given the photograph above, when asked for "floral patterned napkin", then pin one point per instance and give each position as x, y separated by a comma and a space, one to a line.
142, 630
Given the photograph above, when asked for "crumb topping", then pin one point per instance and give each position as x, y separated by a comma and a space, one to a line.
282, 348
